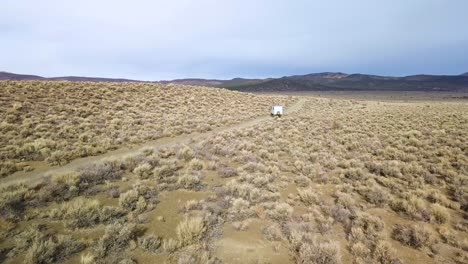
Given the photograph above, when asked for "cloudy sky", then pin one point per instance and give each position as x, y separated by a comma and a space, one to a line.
166, 39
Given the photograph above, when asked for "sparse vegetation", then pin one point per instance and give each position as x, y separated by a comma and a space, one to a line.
59, 121
340, 181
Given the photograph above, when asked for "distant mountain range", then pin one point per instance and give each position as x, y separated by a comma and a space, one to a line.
326, 81
25, 77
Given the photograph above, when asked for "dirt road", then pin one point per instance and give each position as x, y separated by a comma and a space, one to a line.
35, 176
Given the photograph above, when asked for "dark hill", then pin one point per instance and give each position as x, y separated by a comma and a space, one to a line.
360, 82
26, 77
326, 81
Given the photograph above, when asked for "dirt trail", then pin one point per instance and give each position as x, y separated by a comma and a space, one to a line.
34, 177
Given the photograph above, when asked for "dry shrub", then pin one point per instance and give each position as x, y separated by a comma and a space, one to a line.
195, 255
240, 209
143, 170
170, 245
7, 168
87, 258
415, 236
5, 227
196, 164
440, 213
190, 230
308, 196
225, 171
375, 195
385, 254
51, 249
115, 239
280, 211
186, 153
166, 169
150, 243
98, 173
128, 200
315, 252
84, 213
412, 206
272, 232
12, 200
360, 250
189, 181
241, 225
355, 174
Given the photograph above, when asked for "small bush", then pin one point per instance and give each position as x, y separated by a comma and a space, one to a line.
115, 239
87, 258
355, 174
280, 212
196, 164
240, 210
143, 170
190, 230
315, 252
384, 253
186, 153
188, 181
170, 245
84, 213
98, 173
51, 249
12, 200
440, 213
308, 196
150, 243
272, 232
226, 172
128, 200
414, 236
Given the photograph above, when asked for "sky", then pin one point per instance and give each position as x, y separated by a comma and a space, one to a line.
168, 39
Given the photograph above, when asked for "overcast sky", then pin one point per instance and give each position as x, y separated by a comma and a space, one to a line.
153, 40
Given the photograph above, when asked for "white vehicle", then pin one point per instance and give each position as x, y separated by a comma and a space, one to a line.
277, 110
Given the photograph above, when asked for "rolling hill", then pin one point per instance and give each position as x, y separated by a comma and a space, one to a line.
26, 77
326, 81
359, 82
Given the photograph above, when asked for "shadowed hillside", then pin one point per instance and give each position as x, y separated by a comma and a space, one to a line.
326, 81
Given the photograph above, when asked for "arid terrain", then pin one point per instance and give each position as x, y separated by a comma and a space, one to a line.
153, 173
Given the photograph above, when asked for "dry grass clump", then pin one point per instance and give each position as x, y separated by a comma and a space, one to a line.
12, 201
87, 258
139, 198
38, 246
60, 121
82, 212
150, 243
189, 180
272, 232
308, 196
308, 248
190, 230
144, 170
280, 211
412, 206
384, 253
440, 213
316, 252
116, 238
415, 236
225, 171
82, 182
239, 210
51, 249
